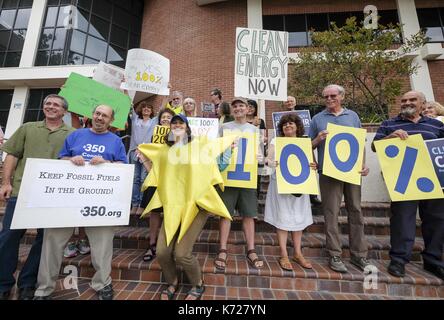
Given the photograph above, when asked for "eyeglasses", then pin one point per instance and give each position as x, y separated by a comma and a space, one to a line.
332, 96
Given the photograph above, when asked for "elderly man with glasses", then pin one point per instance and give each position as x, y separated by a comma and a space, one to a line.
332, 189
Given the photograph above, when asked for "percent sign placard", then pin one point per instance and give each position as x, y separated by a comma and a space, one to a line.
407, 169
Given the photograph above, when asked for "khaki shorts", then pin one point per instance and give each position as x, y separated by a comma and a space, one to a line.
242, 199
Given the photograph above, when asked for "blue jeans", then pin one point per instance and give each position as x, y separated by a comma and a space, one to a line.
9, 251
140, 174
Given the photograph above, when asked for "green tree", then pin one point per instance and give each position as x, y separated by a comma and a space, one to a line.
370, 63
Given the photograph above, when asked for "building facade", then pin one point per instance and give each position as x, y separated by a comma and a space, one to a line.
43, 41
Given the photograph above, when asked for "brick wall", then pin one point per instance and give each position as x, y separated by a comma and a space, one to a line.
436, 69
199, 41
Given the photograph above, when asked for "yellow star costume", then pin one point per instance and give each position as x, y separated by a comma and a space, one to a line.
185, 176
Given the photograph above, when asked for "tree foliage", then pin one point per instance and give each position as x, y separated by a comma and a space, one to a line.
370, 63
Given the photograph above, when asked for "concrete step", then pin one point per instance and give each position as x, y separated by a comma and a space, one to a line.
128, 265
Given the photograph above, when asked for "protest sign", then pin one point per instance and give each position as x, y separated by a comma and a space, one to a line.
58, 194
208, 127
407, 169
242, 170
261, 64
111, 76
344, 153
160, 134
303, 114
84, 94
208, 110
294, 174
147, 71
436, 152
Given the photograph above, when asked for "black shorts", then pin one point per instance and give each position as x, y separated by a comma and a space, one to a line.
146, 198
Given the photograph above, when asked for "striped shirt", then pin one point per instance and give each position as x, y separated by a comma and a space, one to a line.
429, 128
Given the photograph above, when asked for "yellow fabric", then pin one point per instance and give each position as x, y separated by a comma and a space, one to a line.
310, 185
250, 163
185, 177
176, 110
393, 171
343, 151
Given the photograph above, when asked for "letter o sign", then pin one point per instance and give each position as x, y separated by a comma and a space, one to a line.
283, 163
344, 166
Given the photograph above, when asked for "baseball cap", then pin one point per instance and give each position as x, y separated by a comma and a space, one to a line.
181, 117
243, 100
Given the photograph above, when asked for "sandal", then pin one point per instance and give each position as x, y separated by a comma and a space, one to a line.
196, 292
254, 262
285, 264
169, 292
150, 254
304, 263
219, 259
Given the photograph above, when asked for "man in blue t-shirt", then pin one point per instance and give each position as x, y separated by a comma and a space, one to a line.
95, 145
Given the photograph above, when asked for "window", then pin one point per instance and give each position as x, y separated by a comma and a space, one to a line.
14, 18
34, 111
300, 26
5, 105
103, 30
431, 20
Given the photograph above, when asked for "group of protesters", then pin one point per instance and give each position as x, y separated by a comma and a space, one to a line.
53, 139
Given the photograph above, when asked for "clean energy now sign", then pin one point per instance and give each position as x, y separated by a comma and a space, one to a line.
261, 68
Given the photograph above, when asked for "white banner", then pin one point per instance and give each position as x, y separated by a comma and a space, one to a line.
261, 68
147, 71
204, 127
111, 76
57, 193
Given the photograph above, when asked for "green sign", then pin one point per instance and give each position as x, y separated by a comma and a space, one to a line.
84, 94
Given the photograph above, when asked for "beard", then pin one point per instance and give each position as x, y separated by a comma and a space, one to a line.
408, 111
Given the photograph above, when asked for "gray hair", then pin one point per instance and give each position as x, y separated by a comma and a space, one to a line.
177, 93
53, 95
99, 105
340, 89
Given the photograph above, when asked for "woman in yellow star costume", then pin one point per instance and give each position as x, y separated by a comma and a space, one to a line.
185, 173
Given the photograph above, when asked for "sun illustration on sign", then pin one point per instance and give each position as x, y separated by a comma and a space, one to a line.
185, 177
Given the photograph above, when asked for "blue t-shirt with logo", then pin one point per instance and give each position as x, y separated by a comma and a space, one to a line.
88, 144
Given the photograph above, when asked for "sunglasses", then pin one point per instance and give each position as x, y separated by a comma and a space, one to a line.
332, 96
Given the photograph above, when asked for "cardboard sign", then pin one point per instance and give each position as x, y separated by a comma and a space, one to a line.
208, 127
303, 114
407, 169
344, 153
294, 174
436, 152
84, 94
261, 66
111, 76
160, 134
58, 194
208, 110
147, 71
242, 170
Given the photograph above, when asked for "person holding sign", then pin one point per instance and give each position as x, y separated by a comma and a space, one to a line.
160, 136
242, 199
332, 190
141, 120
403, 213
42, 139
288, 212
96, 145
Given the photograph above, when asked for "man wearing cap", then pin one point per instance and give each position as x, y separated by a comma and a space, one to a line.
94, 145
242, 199
41, 139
